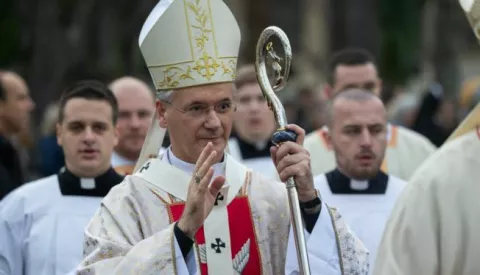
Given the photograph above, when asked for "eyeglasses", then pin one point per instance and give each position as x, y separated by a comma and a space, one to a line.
202, 110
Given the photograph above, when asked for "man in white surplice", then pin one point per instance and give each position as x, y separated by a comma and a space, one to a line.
42, 222
357, 122
195, 210
406, 149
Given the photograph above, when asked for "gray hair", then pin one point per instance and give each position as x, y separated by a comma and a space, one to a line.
164, 95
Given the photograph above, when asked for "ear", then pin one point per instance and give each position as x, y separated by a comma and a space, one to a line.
161, 113
115, 137
380, 87
58, 130
328, 139
327, 91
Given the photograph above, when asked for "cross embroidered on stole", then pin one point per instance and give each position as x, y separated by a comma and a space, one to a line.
244, 245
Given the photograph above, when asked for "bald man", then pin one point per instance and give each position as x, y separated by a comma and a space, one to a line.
357, 122
15, 108
136, 104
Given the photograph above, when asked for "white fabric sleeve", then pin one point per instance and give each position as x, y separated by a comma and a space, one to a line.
321, 248
11, 235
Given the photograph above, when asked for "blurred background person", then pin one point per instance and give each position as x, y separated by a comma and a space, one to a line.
15, 108
253, 125
436, 117
43, 222
136, 106
52, 158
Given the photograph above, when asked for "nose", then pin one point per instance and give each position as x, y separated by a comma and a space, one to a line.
30, 105
212, 120
135, 121
366, 138
89, 135
255, 105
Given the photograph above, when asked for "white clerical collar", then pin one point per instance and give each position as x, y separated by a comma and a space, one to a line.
87, 183
218, 168
359, 184
260, 145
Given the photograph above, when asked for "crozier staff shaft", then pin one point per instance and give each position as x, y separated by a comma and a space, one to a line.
265, 50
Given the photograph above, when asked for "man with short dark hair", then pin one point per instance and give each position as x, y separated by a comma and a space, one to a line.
15, 108
352, 68
42, 222
406, 149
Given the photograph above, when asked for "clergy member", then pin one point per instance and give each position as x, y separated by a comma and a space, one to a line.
15, 110
253, 124
437, 219
433, 228
406, 149
195, 210
357, 122
42, 222
136, 105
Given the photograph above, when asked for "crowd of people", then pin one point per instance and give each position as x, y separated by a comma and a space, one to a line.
183, 178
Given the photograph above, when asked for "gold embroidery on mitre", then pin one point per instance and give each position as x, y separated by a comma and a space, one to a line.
206, 62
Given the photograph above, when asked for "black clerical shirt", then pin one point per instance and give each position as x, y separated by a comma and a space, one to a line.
341, 184
11, 175
71, 185
250, 151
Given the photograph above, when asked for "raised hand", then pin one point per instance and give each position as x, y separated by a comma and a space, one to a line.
201, 194
292, 160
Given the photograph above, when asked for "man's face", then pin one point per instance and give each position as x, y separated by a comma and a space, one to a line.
16, 109
136, 108
254, 121
87, 136
357, 76
358, 136
196, 116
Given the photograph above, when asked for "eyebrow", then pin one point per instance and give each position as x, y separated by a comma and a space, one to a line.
203, 102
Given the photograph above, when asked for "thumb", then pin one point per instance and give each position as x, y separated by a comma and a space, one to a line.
216, 185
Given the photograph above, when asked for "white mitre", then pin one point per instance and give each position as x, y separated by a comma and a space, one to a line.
187, 43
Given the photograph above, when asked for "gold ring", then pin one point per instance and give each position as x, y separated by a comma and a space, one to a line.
197, 178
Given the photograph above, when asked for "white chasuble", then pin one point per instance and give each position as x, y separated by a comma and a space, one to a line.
246, 233
406, 151
434, 226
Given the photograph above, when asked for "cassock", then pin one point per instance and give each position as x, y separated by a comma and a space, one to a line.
365, 205
406, 150
434, 226
247, 231
254, 156
42, 222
